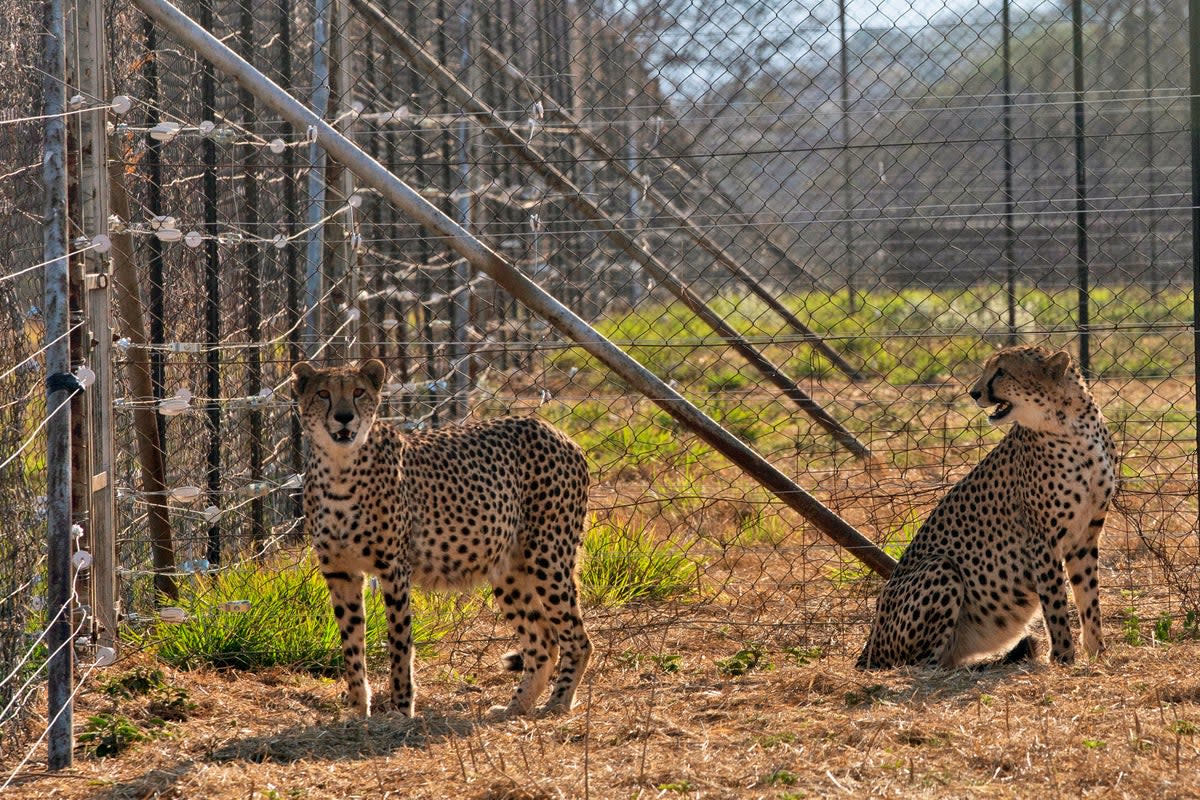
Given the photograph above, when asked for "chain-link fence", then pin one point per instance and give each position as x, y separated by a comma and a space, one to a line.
813, 220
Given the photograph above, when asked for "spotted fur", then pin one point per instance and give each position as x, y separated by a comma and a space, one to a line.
502, 501
991, 555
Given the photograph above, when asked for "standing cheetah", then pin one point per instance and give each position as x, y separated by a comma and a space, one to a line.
991, 554
502, 501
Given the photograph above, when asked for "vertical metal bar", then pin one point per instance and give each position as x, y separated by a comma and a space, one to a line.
460, 299
314, 240
91, 73
291, 261
1081, 216
58, 362
637, 278
1151, 178
848, 264
423, 322
154, 205
212, 295
349, 225
252, 261
151, 428
1194, 109
1010, 267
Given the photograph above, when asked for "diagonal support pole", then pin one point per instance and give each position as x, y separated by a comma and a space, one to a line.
513, 142
410, 202
680, 216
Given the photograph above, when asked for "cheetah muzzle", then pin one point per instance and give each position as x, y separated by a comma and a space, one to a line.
501, 502
991, 556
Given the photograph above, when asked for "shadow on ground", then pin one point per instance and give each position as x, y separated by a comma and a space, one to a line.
348, 740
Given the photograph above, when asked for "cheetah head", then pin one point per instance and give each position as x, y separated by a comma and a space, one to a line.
1031, 385
338, 404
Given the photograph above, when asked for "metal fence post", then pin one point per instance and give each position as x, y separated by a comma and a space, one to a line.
1194, 114
92, 76
58, 365
212, 295
1081, 202
314, 238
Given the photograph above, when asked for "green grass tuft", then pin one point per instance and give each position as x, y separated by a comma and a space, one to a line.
622, 564
289, 621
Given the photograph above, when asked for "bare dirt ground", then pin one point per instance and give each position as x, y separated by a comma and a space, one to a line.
1123, 727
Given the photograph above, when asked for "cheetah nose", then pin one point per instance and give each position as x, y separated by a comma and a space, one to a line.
976, 394
344, 417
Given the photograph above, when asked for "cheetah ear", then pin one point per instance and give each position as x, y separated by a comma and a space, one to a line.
301, 373
1058, 364
374, 371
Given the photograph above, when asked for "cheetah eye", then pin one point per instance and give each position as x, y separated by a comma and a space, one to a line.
323, 394
999, 372
359, 392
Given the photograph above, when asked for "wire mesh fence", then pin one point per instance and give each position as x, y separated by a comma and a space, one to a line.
813, 220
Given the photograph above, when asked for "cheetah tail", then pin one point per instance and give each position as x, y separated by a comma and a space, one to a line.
512, 661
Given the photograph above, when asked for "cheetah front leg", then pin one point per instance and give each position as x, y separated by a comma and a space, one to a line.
1053, 597
397, 586
1084, 571
346, 595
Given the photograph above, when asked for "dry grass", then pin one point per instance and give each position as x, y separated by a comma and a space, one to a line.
658, 717
1121, 728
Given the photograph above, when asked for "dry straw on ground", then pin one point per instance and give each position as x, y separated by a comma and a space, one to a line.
792, 726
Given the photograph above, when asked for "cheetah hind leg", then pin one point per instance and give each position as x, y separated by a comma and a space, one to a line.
567, 622
1023, 651
523, 610
917, 616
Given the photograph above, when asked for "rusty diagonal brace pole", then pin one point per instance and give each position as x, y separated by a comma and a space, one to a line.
501, 130
422, 212
680, 216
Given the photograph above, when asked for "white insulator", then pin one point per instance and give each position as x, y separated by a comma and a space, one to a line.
184, 494
101, 243
81, 560
277, 146
165, 131
193, 239
169, 234
121, 104
85, 376
172, 614
173, 406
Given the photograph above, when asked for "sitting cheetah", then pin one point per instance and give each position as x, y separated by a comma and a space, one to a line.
502, 501
991, 554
